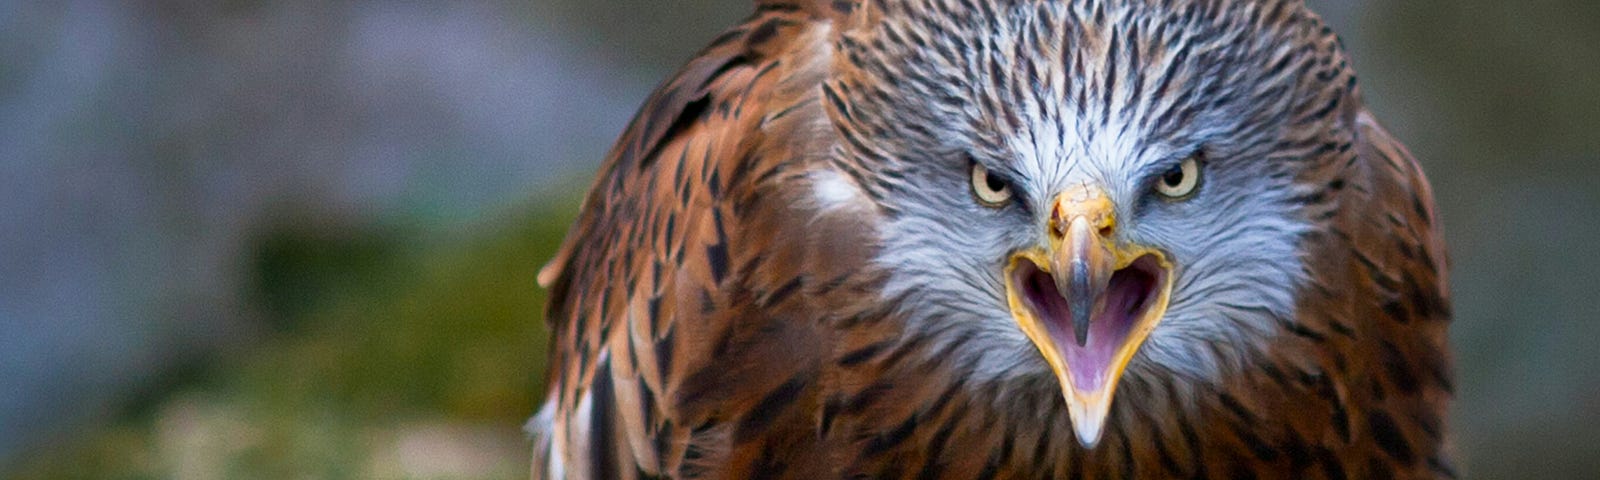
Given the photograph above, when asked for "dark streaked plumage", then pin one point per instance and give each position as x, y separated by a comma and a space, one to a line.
783, 270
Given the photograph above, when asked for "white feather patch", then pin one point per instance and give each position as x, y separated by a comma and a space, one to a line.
832, 190
542, 428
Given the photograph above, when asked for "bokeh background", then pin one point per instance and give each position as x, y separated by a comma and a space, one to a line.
297, 238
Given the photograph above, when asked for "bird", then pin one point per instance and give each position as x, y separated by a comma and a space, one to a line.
1003, 239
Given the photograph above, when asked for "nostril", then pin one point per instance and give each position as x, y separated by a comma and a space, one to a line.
1058, 225
1105, 232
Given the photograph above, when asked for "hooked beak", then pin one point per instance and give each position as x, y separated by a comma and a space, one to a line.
1087, 302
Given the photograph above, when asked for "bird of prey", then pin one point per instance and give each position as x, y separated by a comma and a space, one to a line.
1003, 239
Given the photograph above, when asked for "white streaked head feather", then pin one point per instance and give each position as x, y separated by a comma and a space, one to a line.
1052, 95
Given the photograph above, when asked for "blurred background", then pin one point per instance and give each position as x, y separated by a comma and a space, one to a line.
297, 238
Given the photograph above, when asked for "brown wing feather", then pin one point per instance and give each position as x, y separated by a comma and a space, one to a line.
1378, 313
1409, 359
680, 343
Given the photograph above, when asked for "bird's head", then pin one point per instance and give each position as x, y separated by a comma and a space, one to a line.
1090, 190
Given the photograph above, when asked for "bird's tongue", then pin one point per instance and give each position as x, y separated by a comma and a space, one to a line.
1126, 298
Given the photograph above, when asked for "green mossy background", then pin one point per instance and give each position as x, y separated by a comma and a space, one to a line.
379, 336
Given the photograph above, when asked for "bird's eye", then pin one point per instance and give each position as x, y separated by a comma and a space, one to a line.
1180, 182
991, 190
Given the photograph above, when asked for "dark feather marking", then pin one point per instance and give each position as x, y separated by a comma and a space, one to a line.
1322, 113
936, 445
771, 406
884, 441
830, 407
639, 473
1110, 88
677, 167
1439, 370
761, 72
602, 438
1302, 331
1163, 452
1247, 434
1276, 374
583, 360
647, 406
863, 354
1332, 468
653, 307
1241, 470
1399, 369
768, 466
1192, 439
839, 105
784, 291
714, 184
691, 113
777, 7
1179, 60
733, 62
1390, 438
771, 173
1395, 311
1421, 210
1127, 457
721, 345
726, 37
830, 285
1377, 469
1430, 423
664, 352
905, 348
785, 111
708, 305
633, 354
1238, 409
1342, 329
991, 468
1424, 304
1340, 417
717, 254
1299, 458
765, 31
741, 169
865, 398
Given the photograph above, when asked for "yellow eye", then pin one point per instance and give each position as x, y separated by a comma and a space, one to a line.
991, 190
1181, 180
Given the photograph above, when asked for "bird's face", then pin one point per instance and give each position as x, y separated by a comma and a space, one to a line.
1086, 297
1112, 193
1111, 249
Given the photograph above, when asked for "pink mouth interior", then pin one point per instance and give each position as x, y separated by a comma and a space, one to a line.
1131, 292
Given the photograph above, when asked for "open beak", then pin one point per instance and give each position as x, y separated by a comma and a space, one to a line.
1087, 302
